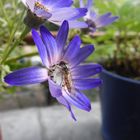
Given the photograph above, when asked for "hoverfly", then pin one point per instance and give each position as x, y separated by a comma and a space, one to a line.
67, 81
60, 71
38, 6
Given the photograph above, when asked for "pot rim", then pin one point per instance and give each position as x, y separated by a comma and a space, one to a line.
120, 77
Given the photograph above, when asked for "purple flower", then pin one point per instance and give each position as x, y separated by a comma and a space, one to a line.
55, 11
61, 67
95, 21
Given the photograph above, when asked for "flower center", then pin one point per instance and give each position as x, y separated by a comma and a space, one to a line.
40, 6
61, 75
91, 23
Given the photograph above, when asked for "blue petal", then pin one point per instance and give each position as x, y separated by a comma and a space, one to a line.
41, 48
82, 55
77, 24
108, 21
63, 3
84, 71
54, 89
63, 101
67, 13
102, 18
72, 49
25, 76
57, 3
83, 99
50, 43
89, 4
78, 99
93, 15
42, 13
84, 84
82, 12
105, 20
73, 24
81, 3
61, 37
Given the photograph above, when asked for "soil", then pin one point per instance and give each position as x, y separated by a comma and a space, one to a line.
127, 68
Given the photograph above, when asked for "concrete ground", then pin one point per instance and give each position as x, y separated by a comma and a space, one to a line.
51, 123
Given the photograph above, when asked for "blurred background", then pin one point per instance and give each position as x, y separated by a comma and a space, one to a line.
29, 112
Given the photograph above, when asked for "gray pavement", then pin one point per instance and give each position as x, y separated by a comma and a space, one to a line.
51, 123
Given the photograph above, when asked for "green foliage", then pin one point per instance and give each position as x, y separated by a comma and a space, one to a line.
127, 10
11, 18
11, 24
119, 47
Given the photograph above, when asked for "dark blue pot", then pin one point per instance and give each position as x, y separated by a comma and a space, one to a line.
120, 102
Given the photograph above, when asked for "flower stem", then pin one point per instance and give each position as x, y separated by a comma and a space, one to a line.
16, 43
3, 11
21, 56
